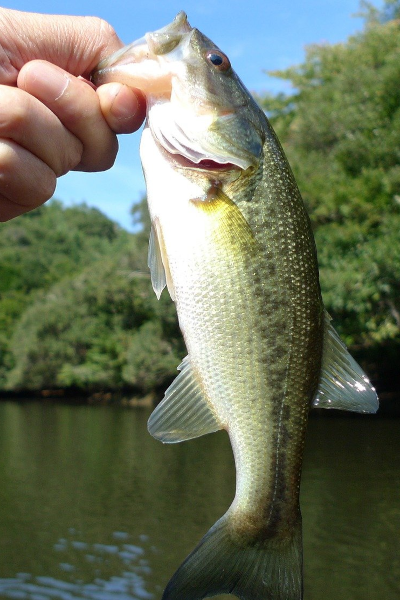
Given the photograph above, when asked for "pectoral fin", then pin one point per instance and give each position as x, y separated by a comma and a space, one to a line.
158, 263
155, 263
343, 384
184, 413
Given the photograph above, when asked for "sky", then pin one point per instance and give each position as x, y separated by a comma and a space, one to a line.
257, 35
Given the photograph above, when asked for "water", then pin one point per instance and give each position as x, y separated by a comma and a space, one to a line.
92, 507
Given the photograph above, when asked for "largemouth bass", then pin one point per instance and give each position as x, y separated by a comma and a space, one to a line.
232, 241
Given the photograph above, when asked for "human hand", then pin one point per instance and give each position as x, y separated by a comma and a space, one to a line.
51, 120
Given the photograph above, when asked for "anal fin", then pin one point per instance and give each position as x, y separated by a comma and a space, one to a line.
185, 412
343, 384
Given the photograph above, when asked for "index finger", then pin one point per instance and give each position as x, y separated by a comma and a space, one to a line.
77, 106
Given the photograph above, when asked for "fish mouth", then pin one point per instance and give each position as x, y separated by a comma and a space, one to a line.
137, 64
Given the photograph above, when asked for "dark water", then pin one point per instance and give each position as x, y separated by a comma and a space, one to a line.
92, 507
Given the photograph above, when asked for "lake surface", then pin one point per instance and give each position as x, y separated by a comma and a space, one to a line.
92, 507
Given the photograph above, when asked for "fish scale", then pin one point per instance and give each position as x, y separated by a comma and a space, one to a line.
232, 242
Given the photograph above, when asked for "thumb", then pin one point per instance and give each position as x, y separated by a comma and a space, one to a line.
76, 44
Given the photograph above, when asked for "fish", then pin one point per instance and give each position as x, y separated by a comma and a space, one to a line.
232, 242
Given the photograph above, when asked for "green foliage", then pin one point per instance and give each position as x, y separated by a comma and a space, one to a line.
151, 358
33, 247
341, 130
76, 305
76, 318
372, 15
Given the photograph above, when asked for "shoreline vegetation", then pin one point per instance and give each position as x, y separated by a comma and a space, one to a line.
76, 306
78, 397
77, 312
389, 402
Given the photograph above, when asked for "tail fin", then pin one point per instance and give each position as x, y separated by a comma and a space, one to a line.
267, 570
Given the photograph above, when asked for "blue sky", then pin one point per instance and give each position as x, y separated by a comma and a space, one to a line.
257, 35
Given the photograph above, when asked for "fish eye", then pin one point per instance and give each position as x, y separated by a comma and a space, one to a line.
218, 60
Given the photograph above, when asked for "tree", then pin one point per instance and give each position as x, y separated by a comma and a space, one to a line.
341, 130
84, 314
41, 248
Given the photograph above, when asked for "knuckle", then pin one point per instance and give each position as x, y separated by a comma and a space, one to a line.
106, 30
79, 108
41, 189
103, 36
70, 158
75, 155
109, 158
14, 111
8, 73
24, 179
8, 160
48, 189
95, 161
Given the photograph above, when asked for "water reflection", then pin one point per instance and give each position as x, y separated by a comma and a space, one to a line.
129, 562
351, 509
93, 507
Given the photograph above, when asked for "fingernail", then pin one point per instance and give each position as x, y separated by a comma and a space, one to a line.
46, 81
124, 105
